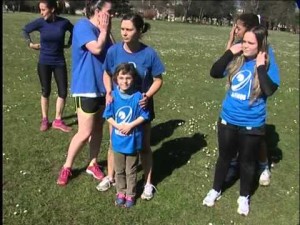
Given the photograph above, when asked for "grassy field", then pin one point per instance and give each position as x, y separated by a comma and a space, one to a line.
184, 139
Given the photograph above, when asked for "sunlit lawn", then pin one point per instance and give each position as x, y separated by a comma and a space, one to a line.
184, 138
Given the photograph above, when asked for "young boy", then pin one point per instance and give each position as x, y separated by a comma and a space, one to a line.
126, 117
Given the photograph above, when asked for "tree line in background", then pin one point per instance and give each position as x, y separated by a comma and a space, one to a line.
281, 14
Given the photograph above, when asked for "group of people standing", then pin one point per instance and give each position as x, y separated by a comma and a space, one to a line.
117, 82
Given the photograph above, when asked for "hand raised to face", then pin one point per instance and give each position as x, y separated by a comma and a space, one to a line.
261, 59
235, 49
104, 21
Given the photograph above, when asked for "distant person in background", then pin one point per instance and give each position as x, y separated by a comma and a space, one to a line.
245, 22
241, 126
126, 117
52, 29
91, 40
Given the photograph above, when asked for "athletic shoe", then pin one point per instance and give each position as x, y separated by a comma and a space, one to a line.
95, 171
129, 202
243, 208
148, 192
105, 184
265, 177
120, 199
211, 197
64, 175
44, 124
60, 125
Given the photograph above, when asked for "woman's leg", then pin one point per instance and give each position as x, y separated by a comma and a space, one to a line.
249, 145
146, 153
96, 136
61, 78
227, 140
85, 128
45, 75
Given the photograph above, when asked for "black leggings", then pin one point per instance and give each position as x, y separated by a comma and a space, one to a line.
232, 140
61, 78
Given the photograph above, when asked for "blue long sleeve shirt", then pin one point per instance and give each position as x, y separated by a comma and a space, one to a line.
52, 38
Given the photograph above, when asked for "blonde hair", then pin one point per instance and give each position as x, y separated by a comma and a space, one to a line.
261, 35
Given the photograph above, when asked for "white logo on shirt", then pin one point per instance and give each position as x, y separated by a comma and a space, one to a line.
123, 115
239, 81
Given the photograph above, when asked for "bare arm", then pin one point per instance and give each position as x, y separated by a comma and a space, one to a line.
108, 87
96, 47
156, 85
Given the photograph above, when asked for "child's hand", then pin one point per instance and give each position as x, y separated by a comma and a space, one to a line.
125, 128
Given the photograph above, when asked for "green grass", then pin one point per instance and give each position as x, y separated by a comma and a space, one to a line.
184, 138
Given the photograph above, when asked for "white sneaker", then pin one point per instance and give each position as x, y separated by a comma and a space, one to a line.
211, 197
265, 177
243, 208
148, 192
105, 184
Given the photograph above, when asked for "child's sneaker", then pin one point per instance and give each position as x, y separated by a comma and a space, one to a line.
44, 124
64, 175
211, 197
265, 177
120, 199
95, 171
243, 208
148, 192
129, 202
60, 125
105, 184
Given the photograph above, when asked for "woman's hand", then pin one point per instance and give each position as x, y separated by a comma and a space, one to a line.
104, 22
108, 98
261, 59
35, 46
237, 48
144, 101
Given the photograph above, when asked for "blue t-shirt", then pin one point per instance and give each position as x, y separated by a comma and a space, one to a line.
236, 108
87, 72
125, 109
52, 38
146, 61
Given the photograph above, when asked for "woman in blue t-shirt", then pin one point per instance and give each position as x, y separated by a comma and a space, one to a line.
150, 70
91, 39
241, 126
245, 22
52, 29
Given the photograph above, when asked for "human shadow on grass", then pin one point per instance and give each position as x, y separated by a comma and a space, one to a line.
78, 171
172, 155
164, 130
274, 156
71, 116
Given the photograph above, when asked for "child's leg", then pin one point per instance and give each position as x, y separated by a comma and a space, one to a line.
120, 176
131, 174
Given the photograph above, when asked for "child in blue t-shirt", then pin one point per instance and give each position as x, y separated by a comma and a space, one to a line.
126, 117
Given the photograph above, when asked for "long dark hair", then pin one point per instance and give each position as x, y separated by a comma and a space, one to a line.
92, 5
52, 4
138, 22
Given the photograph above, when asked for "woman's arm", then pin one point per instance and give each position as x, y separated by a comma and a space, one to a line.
96, 47
156, 85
